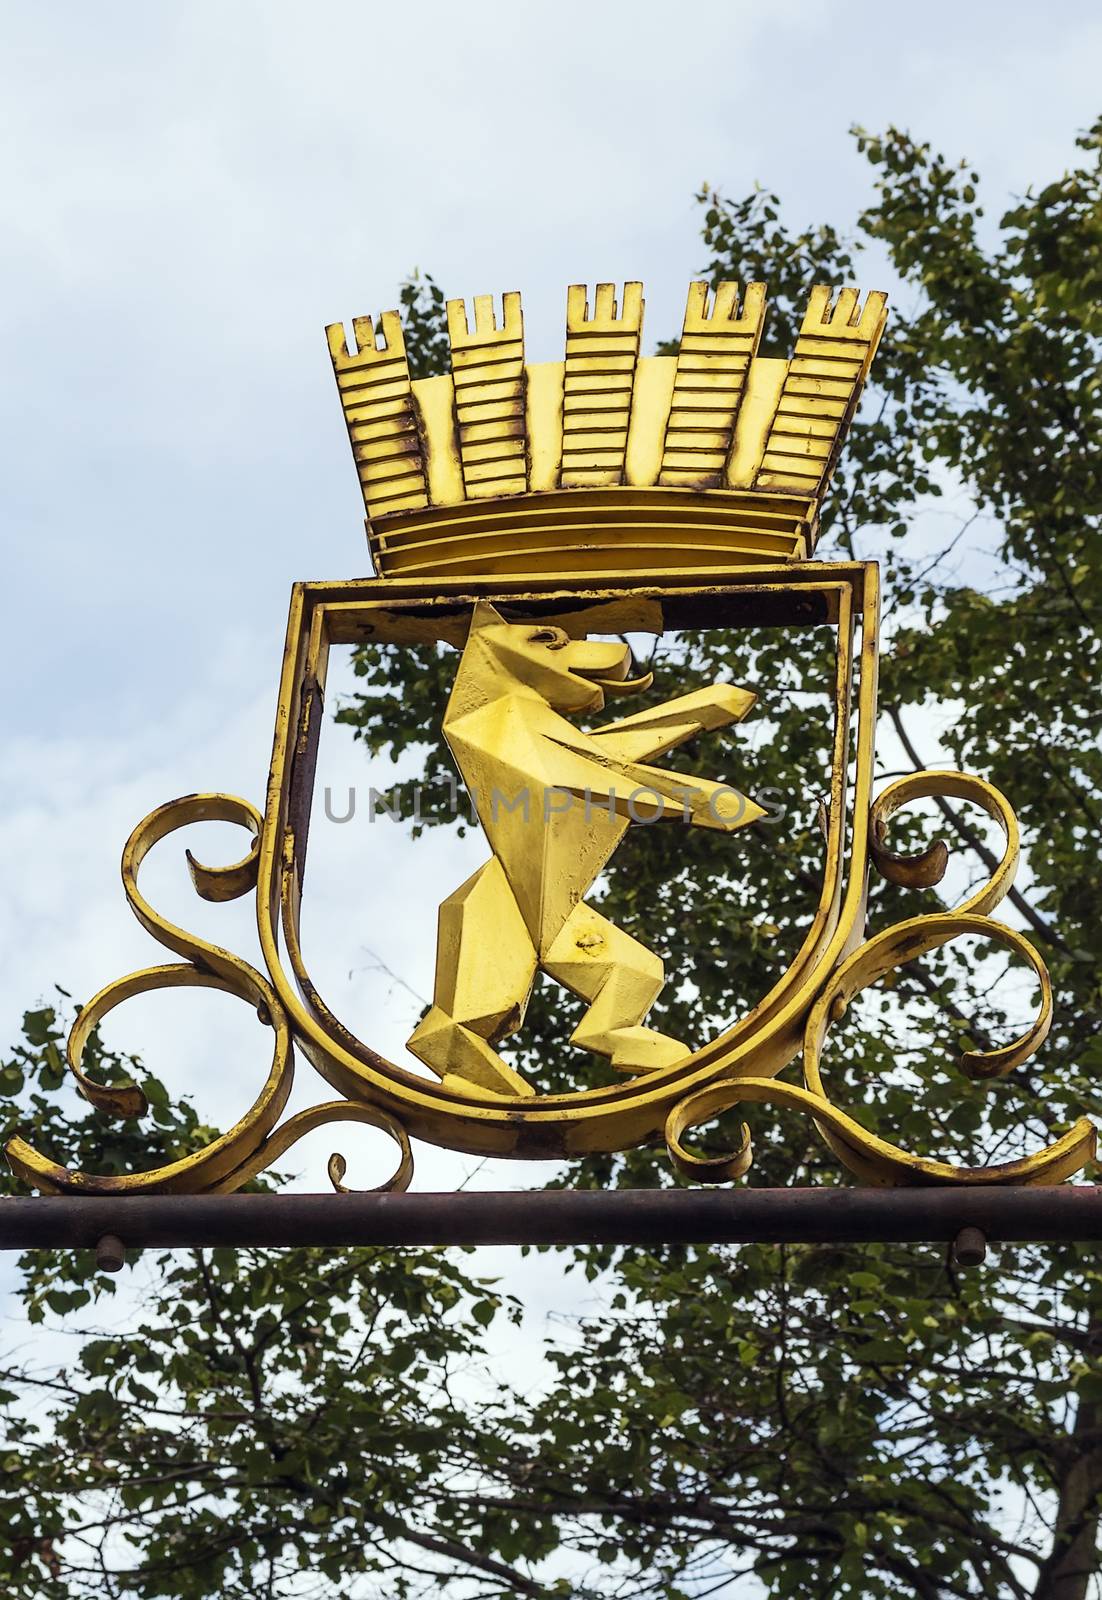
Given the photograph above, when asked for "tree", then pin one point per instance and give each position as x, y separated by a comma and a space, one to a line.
310, 1390
842, 1421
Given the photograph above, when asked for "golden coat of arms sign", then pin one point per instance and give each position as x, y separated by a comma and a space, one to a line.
531, 516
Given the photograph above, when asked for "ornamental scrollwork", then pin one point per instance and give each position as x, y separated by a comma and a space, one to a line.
257, 1139
868, 1157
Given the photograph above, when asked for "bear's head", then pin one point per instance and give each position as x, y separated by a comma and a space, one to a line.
569, 674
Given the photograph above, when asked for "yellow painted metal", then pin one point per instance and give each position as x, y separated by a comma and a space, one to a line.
443, 467
651, 399
517, 513
610, 458
554, 802
597, 534
869, 1157
760, 400
602, 347
718, 343
834, 351
548, 665
488, 374
544, 402
373, 378
251, 1145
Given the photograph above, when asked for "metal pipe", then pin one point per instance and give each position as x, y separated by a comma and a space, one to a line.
555, 1217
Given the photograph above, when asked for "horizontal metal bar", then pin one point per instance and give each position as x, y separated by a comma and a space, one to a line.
556, 1217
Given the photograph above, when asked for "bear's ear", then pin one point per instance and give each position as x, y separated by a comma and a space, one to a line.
485, 616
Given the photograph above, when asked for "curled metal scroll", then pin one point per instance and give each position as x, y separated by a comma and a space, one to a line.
304, 1122
870, 1158
256, 1140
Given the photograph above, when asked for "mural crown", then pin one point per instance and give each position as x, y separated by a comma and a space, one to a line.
713, 458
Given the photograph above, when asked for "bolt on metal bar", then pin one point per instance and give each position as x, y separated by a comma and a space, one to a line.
559, 1217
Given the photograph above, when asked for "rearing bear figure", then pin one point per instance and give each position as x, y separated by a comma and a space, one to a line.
555, 801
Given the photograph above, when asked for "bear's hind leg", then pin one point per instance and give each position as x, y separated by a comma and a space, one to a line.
485, 968
621, 979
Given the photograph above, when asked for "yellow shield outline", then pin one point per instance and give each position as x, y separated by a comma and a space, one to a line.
833, 965
615, 1116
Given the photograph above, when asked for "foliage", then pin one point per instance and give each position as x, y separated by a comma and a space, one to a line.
423, 322
251, 1417
839, 1422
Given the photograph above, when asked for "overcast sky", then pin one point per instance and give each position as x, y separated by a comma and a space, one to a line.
191, 192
